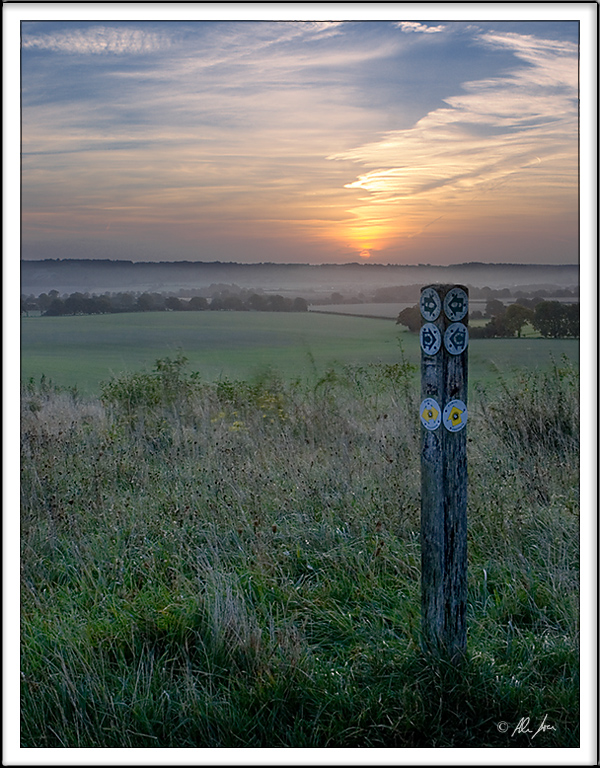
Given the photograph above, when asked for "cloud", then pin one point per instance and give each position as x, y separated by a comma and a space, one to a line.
235, 126
261, 85
417, 26
506, 145
321, 28
99, 40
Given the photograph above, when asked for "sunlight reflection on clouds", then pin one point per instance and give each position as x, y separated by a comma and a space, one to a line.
511, 139
175, 130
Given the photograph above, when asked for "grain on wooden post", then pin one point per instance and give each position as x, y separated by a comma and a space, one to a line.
443, 413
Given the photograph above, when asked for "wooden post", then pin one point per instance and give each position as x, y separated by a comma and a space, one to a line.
443, 414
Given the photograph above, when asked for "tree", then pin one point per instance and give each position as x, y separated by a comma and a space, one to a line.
278, 303
197, 303
515, 317
549, 319
44, 300
100, 305
145, 302
258, 303
123, 302
174, 304
497, 327
572, 320
494, 308
56, 308
233, 303
75, 304
150, 302
411, 318
300, 305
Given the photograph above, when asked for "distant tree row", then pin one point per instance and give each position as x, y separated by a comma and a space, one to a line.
258, 302
552, 319
52, 305
406, 293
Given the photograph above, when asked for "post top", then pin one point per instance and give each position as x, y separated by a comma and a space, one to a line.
445, 287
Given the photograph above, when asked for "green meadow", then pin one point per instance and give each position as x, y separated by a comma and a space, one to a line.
220, 546
237, 563
84, 351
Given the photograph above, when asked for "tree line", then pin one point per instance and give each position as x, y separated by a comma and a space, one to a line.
52, 304
407, 293
553, 319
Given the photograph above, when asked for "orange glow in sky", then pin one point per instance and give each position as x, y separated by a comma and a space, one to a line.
300, 141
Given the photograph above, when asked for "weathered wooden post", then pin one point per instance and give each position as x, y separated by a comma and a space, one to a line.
443, 413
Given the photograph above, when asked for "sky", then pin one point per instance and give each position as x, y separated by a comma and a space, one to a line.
423, 141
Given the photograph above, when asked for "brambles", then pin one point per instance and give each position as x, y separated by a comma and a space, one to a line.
186, 583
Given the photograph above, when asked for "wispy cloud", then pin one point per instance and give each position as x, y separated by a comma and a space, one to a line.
417, 26
99, 40
506, 143
321, 28
230, 129
225, 135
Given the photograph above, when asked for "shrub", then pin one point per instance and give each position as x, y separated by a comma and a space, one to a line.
411, 318
193, 583
164, 386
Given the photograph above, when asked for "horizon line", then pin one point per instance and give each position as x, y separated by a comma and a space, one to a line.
307, 264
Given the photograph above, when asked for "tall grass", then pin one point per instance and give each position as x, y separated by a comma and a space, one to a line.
237, 565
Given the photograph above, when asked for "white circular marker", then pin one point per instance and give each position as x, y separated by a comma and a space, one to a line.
430, 413
456, 338
456, 304
431, 304
455, 416
431, 338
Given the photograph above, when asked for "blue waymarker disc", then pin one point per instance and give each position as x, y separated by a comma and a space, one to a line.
431, 339
431, 304
456, 304
456, 338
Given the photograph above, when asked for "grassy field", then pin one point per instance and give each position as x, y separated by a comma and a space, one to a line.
84, 351
237, 564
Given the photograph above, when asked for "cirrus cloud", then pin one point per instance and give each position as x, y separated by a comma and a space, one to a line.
417, 26
222, 140
506, 145
99, 40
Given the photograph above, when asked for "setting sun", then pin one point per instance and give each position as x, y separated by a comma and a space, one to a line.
386, 167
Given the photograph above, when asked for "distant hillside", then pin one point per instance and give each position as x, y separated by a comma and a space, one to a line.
311, 281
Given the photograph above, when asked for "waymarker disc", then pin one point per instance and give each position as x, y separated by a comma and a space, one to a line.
431, 304
431, 338
455, 416
430, 413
